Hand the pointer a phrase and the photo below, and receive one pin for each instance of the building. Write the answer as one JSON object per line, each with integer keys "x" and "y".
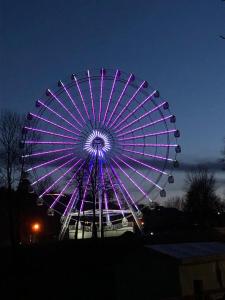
{"x": 174, "y": 271}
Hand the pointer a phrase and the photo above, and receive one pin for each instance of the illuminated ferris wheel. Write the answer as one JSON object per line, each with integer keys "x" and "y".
{"x": 108, "y": 142}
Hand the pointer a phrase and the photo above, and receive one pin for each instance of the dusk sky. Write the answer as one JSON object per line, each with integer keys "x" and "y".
{"x": 174, "y": 45}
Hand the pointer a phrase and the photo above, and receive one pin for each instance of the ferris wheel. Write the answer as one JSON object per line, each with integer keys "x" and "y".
{"x": 104, "y": 144}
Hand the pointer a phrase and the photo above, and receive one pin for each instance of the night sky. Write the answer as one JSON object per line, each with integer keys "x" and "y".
{"x": 174, "y": 45}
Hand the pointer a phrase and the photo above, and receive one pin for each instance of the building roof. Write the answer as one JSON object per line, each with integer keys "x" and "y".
{"x": 192, "y": 252}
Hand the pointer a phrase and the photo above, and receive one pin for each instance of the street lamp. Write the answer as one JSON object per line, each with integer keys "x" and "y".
{"x": 35, "y": 230}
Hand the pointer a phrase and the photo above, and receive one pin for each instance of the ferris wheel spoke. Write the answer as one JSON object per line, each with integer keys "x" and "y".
{"x": 104, "y": 193}
{"x": 61, "y": 104}
{"x": 144, "y": 83}
{"x": 110, "y": 96}
{"x": 57, "y": 180}
{"x": 85, "y": 190}
{"x": 126, "y": 200}
{"x": 48, "y": 152}
{"x": 120, "y": 97}
{"x": 114, "y": 190}
{"x": 146, "y": 125}
{"x": 50, "y": 142}
{"x": 53, "y": 171}
{"x": 72, "y": 202}
{"x": 53, "y": 123}
{"x": 141, "y": 117}
{"x": 148, "y": 145}
{"x": 91, "y": 94}
{"x": 139, "y": 173}
{"x": 51, "y": 133}
{"x": 122, "y": 186}
{"x": 149, "y": 155}
{"x": 139, "y": 106}
{"x": 131, "y": 180}
{"x": 66, "y": 186}
{"x": 39, "y": 102}
{"x": 82, "y": 98}
{"x": 49, "y": 162}
{"x": 100, "y": 98}
{"x": 74, "y": 103}
{"x": 148, "y": 134}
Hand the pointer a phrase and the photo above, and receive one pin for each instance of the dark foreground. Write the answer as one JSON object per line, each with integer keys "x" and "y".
{"x": 82, "y": 269}
{"x": 113, "y": 269}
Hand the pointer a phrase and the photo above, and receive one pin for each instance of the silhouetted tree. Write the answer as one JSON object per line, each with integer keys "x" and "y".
{"x": 175, "y": 202}
{"x": 12, "y": 162}
{"x": 201, "y": 201}
{"x": 10, "y": 136}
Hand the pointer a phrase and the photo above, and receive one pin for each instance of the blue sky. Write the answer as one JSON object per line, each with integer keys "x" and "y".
{"x": 174, "y": 45}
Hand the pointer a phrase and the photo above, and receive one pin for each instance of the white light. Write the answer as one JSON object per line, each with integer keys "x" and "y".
{"x": 92, "y": 150}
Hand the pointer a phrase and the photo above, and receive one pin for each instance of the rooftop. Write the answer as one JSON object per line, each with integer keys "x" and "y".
{"x": 192, "y": 252}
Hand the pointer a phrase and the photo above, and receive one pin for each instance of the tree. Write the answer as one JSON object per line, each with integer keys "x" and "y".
{"x": 12, "y": 134}
{"x": 11, "y": 164}
{"x": 175, "y": 202}
{"x": 201, "y": 201}
{"x": 11, "y": 125}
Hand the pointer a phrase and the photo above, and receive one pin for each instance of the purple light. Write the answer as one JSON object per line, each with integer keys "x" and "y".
{"x": 53, "y": 171}
{"x": 51, "y": 133}
{"x": 100, "y": 100}
{"x": 57, "y": 180}
{"x": 72, "y": 100}
{"x": 85, "y": 191}
{"x": 48, "y": 152}
{"x": 52, "y": 123}
{"x": 63, "y": 106}
{"x": 144, "y": 126}
{"x": 141, "y": 117}
{"x": 50, "y": 161}
{"x": 110, "y": 97}
{"x": 58, "y": 115}
{"x": 82, "y": 98}
{"x": 105, "y": 194}
{"x": 50, "y": 143}
{"x": 137, "y": 186}
{"x": 65, "y": 187}
{"x": 144, "y": 164}
{"x": 148, "y": 155}
{"x": 149, "y": 145}
{"x": 131, "y": 99}
{"x": 92, "y": 99}
{"x": 114, "y": 190}
{"x": 71, "y": 201}
{"x": 148, "y": 134}
{"x": 121, "y": 183}
{"x": 119, "y": 99}
{"x": 132, "y": 112}
{"x": 139, "y": 173}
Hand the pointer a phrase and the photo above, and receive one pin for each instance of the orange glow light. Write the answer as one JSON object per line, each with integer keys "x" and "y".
{"x": 36, "y": 227}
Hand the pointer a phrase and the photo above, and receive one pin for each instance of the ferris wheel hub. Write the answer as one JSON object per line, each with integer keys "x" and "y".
{"x": 97, "y": 143}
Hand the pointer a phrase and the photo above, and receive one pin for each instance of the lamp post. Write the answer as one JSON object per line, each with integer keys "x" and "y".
{"x": 35, "y": 231}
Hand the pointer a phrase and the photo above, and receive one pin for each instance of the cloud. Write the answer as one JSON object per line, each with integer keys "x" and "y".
{"x": 213, "y": 166}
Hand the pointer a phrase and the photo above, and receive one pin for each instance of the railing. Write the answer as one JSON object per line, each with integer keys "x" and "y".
{"x": 107, "y": 227}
